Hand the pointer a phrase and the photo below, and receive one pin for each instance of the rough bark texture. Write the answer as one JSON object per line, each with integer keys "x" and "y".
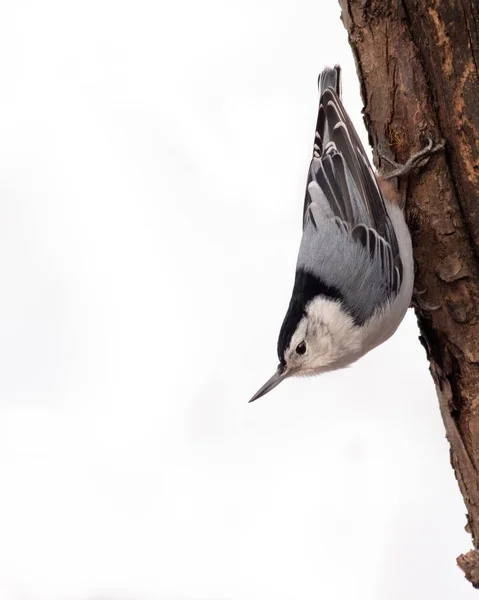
{"x": 417, "y": 62}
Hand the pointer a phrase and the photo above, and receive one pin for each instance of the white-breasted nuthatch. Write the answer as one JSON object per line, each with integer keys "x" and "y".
{"x": 355, "y": 272}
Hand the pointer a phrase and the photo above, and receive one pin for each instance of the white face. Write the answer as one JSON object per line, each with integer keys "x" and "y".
{"x": 326, "y": 338}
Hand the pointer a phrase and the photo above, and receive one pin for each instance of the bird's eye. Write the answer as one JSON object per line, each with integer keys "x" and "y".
{"x": 301, "y": 348}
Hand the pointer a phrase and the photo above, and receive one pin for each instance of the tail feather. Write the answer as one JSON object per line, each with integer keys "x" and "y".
{"x": 330, "y": 78}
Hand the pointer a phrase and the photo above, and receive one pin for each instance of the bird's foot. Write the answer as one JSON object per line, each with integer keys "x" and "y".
{"x": 415, "y": 161}
{"x": 418, "y": 302}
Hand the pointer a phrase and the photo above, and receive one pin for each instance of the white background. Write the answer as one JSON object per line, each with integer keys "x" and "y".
{"x": 153, "y": 159}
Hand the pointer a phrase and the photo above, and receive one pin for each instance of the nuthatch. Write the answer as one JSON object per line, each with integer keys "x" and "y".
{"x": 355, "y": 273}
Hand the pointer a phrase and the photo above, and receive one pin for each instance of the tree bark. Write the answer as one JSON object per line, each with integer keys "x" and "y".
{"x": 417, "y": 62}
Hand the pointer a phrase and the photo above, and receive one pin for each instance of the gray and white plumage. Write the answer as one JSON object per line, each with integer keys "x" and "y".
{"x": 354, "y": 274}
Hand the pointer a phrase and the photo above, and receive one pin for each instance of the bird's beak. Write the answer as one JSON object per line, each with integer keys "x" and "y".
{"x": 277, "y": 378}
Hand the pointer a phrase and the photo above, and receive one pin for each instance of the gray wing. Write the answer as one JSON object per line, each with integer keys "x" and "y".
{"x": 344, "y": 208}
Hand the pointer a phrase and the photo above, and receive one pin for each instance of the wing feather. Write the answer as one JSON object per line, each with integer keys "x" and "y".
{"x": 341, "y": 182}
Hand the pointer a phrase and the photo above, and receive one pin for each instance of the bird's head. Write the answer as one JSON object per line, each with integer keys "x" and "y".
{"x": 315, "y": 338}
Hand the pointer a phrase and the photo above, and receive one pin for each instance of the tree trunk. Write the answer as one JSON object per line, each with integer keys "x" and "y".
{"x": 417, "y": 62}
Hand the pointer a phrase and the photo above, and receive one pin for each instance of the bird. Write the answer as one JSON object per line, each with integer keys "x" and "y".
{"x": 354, "y": 275}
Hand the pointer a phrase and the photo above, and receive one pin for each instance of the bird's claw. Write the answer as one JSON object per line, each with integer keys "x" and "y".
{"x": 414, "y": 162}
{"x": 418, "y": 302}
{"x": 427, "y": 307}
{"x": 417, "y": 292}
